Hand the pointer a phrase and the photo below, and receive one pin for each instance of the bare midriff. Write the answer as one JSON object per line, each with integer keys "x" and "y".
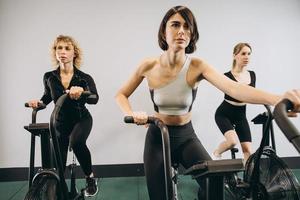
{"x": 174, "y": 120}
{"x": 236, "y": 103}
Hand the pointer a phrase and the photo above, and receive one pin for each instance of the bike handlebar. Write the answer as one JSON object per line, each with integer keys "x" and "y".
{"x": 86, "y": 94}
{"x": 40, "y": 106}
{"x": 285, "y": 124}
{"x": 150, "y": 120}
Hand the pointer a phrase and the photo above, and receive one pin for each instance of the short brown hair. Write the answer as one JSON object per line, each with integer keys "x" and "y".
{"x": 190, "y": 20}
{"x": 77, "y": 50}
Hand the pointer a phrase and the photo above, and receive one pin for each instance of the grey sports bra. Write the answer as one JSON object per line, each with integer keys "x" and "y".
{"x": 177, "y": 97}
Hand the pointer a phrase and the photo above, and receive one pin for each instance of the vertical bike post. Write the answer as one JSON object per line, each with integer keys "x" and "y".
{"x": 31, "y": 163}
{"x": 56, "y": 148}
{"x": 285, "y": 124}
{"x": 58, "y": 158}
{"x": 32, "y": 142}
{"x": 170, "y": 191}
{"x": 167, "y": 156}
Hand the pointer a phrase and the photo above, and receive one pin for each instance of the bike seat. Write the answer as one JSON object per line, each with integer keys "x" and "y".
{"x": 234, "y": 150}
{"x": 37, "y": 128}
{"x": 215, "y": 168}
{"x": 175, "y": 165}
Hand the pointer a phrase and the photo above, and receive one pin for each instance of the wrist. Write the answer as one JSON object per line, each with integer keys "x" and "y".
{"x": 276, "y": 99}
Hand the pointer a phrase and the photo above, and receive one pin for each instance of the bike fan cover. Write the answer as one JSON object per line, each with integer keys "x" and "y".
{"x": 275, "y": 180}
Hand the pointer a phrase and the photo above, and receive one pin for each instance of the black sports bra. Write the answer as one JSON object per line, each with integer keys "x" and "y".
{"x": 230, "y": 75}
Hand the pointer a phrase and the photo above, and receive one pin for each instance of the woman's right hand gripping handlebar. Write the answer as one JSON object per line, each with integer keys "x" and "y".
{"x": 34, "y": 103}
{"x": 294, "y": 97}
{"x": 139, "y": 117}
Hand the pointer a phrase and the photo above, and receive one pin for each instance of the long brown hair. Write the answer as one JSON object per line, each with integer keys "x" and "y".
{"x": 237, "y": 48}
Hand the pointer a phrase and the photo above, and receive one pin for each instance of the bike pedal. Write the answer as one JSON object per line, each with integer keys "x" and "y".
{"x": 243, "y": 185}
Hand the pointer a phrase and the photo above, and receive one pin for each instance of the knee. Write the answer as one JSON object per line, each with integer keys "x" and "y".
{"x": 76, "y": 145}
{"x": 232, "y": 143}
{"x": 246, "y": 150}
{"x": 231, "y": 139}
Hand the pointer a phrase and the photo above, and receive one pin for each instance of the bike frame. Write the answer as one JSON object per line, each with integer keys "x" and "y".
{"x": 169, "y": 188}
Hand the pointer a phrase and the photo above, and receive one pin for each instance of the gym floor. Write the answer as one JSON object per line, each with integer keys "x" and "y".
{"x": 124, "y": 188}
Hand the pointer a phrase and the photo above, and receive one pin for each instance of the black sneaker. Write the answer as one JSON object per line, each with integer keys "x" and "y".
{"x": 91, "y": 188}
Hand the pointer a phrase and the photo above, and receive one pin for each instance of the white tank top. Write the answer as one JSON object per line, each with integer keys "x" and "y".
{"x": 177, "y": 97}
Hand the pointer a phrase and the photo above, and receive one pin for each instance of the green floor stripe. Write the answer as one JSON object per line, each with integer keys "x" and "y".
{"x": 122, "y": 188}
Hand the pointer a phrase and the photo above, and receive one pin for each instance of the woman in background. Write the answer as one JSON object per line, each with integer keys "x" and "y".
{"x": 231, "y": 114}
{"x": 74, "y": 122}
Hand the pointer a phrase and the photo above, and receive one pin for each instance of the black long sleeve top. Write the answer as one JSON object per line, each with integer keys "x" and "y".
{"x": 71, "y": 109}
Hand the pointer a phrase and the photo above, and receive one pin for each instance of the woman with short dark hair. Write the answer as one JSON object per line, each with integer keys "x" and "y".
{"x": 173, "y": 78}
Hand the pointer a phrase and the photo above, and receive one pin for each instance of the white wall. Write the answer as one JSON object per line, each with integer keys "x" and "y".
{"x": 115, "y": 37}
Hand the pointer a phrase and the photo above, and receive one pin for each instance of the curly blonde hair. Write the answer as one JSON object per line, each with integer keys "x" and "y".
{"x": 77, "y": 50}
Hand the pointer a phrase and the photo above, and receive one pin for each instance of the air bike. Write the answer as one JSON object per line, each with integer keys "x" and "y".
{"x": 49, "y": 181}
{"x": 266, "y": 176}
{"x": 224, "y": 167}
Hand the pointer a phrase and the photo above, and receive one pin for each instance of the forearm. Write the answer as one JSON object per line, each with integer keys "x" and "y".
{"x": 124, "y": 104}
{"x": 91, "y": 86}
{"x": 252, "y": 95}
{"x": 93, "y": 99}
{"x": 46, "y": 99}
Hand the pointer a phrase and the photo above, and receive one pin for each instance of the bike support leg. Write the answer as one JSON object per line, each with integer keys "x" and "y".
{"x": 31, "y": 166}
{"x": 215, "y": 189}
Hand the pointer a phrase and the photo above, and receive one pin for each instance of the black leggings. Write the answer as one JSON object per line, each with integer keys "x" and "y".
{"x": 75, "y": 134}
{"x": 231, "y": 117}
{"x": 186, "y": 149}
